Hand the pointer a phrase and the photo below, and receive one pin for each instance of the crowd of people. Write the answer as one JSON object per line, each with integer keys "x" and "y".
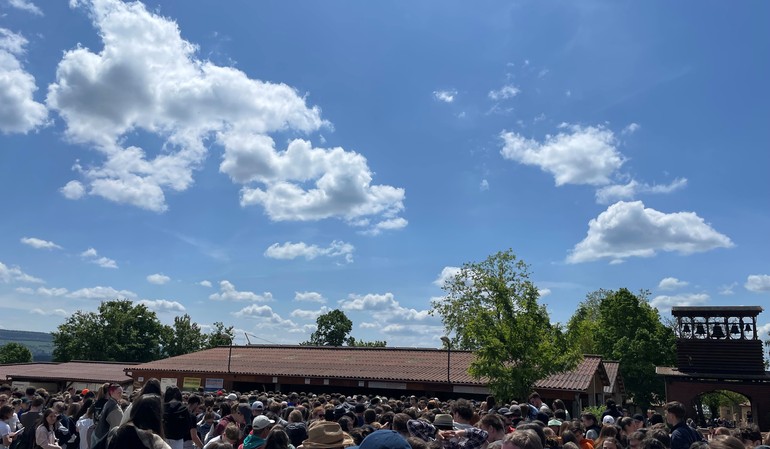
{"x": 171, "y": 419}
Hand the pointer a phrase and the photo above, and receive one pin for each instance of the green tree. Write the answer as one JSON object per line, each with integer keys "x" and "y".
{"x": 220, "y": 335}
{"x": 627, "y": 329}
{"x": 120, "y": 331}
{"x": 492, "y": 308}
{"x": 183, "y": 337}
{"x": 332, "y": 329}
{"x": 15, "y": 353}
{"x": 352, "y": 341}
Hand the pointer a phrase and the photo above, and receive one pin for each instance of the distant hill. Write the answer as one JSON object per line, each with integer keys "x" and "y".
{"x": 39, "y": 343}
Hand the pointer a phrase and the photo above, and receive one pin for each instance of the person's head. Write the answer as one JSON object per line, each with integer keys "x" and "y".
{"x": 49, "y": 418}
{"x": 36, "y": 402}
{"x": 241, "y": 413}
{"x": 295, "y": 416}
{"x": 152, "y": 386}
{"x": 725, "y": 442}
{"x": 493, "y": 425}
{"x": 610, "y": 443}
{"x": 651, "y": 443}
{"x": 232, "y": 434}
{"x": 277, "y": 439}
{"x": 577, "y": 430}
{"x": 661, "y": 435}
{"x": 751, "y": 436}
{"x": 172, "y": 394}
{"x": 115, "y": 391}
{"x": 608, "y": 432}
{"x": 6, "y": 412}
{"x": 675, "y": 412}
{"x": 462, "y": 410}
{"x": 535, "y": 400}
{"x": 261, "y": 425}
{"x": 147, "y": 413}
{"x": 326, "y": 435}
{"x": 588, "y": 419}
{"x": 443, "y": 421}
{"x": 635, "y": 439}
{"x": 522, "y": 439}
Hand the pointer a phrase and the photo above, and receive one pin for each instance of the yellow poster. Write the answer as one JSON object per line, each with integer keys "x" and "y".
{"x": 191, "y": 383}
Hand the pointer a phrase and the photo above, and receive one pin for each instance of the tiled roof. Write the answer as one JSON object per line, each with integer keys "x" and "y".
{"x": 578, "y": 379}
{"x": 616, "y": 380}
{"x": 68, "y": 371}
{"x": 387, "y": 364}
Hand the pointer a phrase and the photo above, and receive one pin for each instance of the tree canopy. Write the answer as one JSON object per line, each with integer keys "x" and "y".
{"x": 492, "y": 308}
{"x": 15, "y": 353}
{"x": 619, "y": 325}
{"x": 333, "y": 329}
{"x": 123, "y": 331}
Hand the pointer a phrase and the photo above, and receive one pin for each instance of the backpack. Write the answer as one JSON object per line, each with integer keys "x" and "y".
{"x": 26, "y": 440}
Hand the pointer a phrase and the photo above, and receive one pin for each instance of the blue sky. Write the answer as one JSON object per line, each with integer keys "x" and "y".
{"x": 259, "y": 163}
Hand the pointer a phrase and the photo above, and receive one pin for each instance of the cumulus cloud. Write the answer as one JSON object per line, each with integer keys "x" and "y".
{"x": 630, "y": 230}
{"x": 26, "y": 5}
{"x": 447, "y": 96}
{"x": 368, "y": 325}
{"x": 579, "y": 155}
{"x": 265, "y": 315}
{"x": 227, "y": 292}
{"x": 73, "y": 190}
{"x": 309, "y": 297}
{"x": 49, "y": 312}
{"x": 664, "y": 303}
{"x": 504, "y": 93}
{"x": 162, "y": 305}
{"x": 342, "y": 186}
{"x": 309, "y": 314}
{"x": 384, "y": 307}
{"x": 39, "y": 243}
{"x": 671, "y": 283}
{"x": 289, "y": 250}
{"x": 92, "y": 256}
{"x": 446, "y": 274}
{"x": 14, "y": 274}
{"x": 631, "y": 128}
{"x": 615, "y": 192}
{"x": 42, "y": 291}
{"x": 158, "y": 279}
{"x": 101, "y": 293}
{"x": 544, "y": 292}
{"x": 758, "y": 283}
{"x": 20, "y": 113}
{"x": 387, "y": 225}
{"x": 148, "y": 78}
{"x": 205, "y": 284}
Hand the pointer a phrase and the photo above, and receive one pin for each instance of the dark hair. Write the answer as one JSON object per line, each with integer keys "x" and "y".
{"x": 147, "y": 414}
{"x": 6, "y": 412}
{"x": 463, "y": 408}
{"x": 567, "y": 436}
{"x": 677, "y": 409}
{"x": 152, "y": 386}
{"x": 42, "y": 421}
{"x": 194, "y": 399}
{"x": 589, "y": 415}
{"x": 172, "y": 393}
{"x": 277, "y": 439}
{"x": 651, "y": 443}
{"x": 660, "y": 435}
{"x": 494, "y": 421}
{"x": 525, "y": 439}
{"x": 536, "y": 429}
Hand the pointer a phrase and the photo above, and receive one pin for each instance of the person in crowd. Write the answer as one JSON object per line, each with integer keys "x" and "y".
{"x": 260, "y": 428}
{"x": 495, "y": 427}
{"x": 85, "y": 425}
{"x": 33, "y": 415}
{"x": 111, "y": 413}
{"x": 442, "y": 431}
{"x": 534, "y": 403}
{"x": 682, "y": 436}
{"x": 725, "y": 442}
{"x": 608, "y": 431}
{"x": 296, "y": 429}
{"x": 45, "y": 431}
{"x": 236, "y": 416}
{"x": 462, "y": 414}
{"x": 579, "y": 435}
{"x": 152, "y": 386}
{"x": 6, "y": 434}
{"x": 277, "y": 438}
{"x": 231, "y": 436}
{"x": 522, "y": 439}
{"x": 592, "y": 428}
{"x": 144, "y": 428}
{"x": 326, "y": 435}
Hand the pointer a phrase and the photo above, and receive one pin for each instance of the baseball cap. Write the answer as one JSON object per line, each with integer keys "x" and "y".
{"x": 260, "y": 422}
{"x": 608, "y": 420}
{"x": 231, "y": 397}
{"x": 257, "y": 405}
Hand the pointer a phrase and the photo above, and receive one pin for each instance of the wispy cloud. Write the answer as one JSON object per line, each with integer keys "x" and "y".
{"x": 39, "y": 243}
{"x": 447, "y": 96}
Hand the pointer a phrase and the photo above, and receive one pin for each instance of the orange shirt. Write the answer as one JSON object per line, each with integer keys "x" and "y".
{"x": 585, "y": 443}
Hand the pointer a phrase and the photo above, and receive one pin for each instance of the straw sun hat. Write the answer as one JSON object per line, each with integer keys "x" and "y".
{"x": 326, "y": 434}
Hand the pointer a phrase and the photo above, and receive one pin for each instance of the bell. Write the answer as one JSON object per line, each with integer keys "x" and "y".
{"x": 686, "y": 328}
{"x": 718, "y": 333}
{"x": 699, "y": 329}
{"x": 734, "y": 329}
{"x": 748, "y": 327}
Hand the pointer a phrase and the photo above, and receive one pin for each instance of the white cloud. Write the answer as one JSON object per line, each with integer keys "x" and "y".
{"x": 484, "y": 186}
{"x": 631, "y": 128}
{"x": 255, "y": 310}
{"x": 20, "y": 113}
{"x": 447, "y": 96}
{"x": 147, "y": 78}
{"x": 26, "y": 5}
{"x": 227, "y": 292}
{"x": 205, "y": 284}
{"x": 309, "y": 297}
{"x": 73, "y": 190}
{"x": 368, "y": 325}
{"x": 369, "y": 301}
{"x": 544, "y": 292}
{"x": 309, "y": 314}
{"x": 289, "y": 250}
{"x": 422, "y": 330}
{"x": 267, "y": 317}
{"x": 92, "y": 256}
{"x": 101, "y": 293}
{"x": 671, "y": 283}
{"x": 52, "y": 312}
{"x": 446, "y": 274}
{"x": 158, "y": 279}
{"x": 162, "y": 305}
{"x": 543, "y": 73}
{"x": 39, "y": 243}
{"x": 387, "y": 225}
{"x": 763, "y": 330}
{"x": 51, "y": 291}
{"x": 583, "y": 155}
{"x": 664, "y": 303}
{"x": 728, "y": 290}
{"x": 504, "y": 93}
{"x": 631, "y": 230}
{"x": 342, "y": 188}
{"x": 14, "y": 274}
{"x": 615, "y": 192}
{"x": 758, "y": 283}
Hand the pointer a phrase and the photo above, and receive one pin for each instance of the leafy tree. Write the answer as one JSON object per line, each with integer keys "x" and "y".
{"x": 15, "y": 353}
{"x": 627, "y": 329}
{"x": 120, "y": 331}
{"x": 183, "y": 337}
{"x": 351, "y": 341}
{"x": 492, "y": 308}
{"x": 332, "y": 329}
{"x": 220, "y": 335}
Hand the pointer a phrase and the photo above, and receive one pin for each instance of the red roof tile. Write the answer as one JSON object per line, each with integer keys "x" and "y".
{"x": 69, "y": 371}
{"x": 578, "y": 379}
{"x": 388, "y": 364}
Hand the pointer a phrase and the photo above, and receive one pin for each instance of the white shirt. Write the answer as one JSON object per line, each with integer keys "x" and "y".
{"x": 5, "y": 429}
{"x": 82, "y": 426}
